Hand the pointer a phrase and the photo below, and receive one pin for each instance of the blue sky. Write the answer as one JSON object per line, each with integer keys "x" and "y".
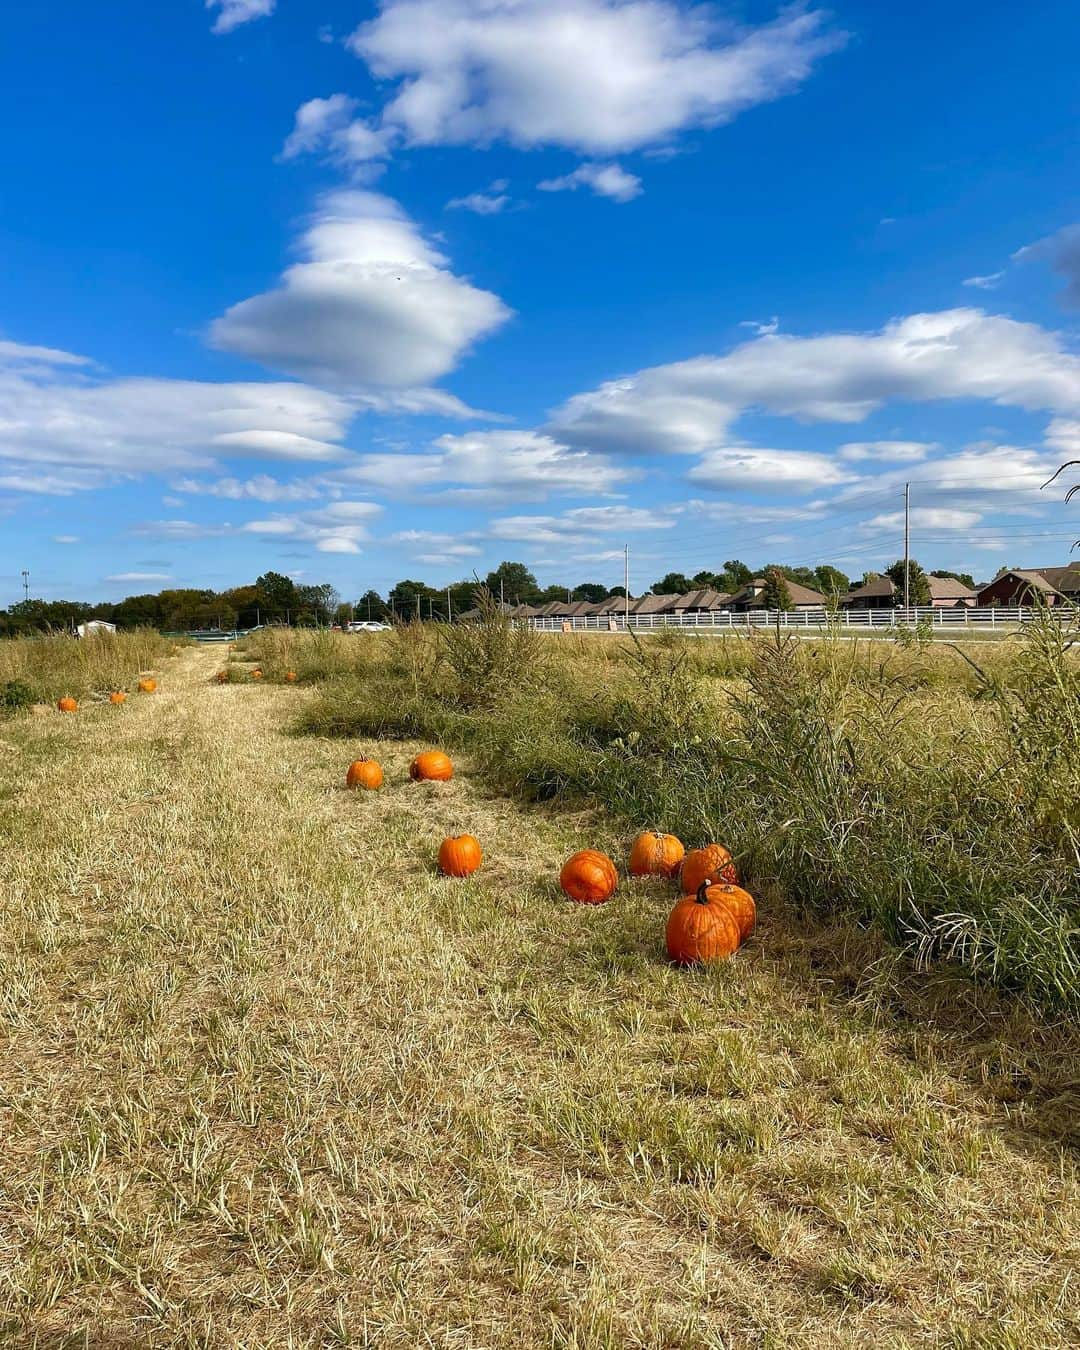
{"x": 363, "y": 291}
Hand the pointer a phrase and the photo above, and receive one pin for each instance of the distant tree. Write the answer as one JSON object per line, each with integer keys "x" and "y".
{"x": 617, "y": 590}
{"x": 591, "y": 591}
{"x": 830, "y": 580}
{"x": 965, "y": 578}
{"x": 277, "y": 596}
{"x": 711, "y": 579}
{"x": 517, "y": 583}
{"x": 776, "y": 594}
{"x": 405, "y": 595}
{"x": 868, "y": 577}
{"x": 549, "y": 593}
{"x": 371, "y": 606}
{"x": 918, "y": 586}
{"x": 672, "y": 584}
{"x": 735, "y": 575}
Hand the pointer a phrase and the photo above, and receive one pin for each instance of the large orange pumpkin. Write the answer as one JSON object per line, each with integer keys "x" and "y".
{"x": 290, "y": 677}
{"x": 365, "y": 773}
{"x": 68, "y": 704}
{"x": 460, "y": 856}
{"x": 256, "y": 674}
{"x": 701, "y": 929}
{"x": 711, "y": 863}
{"x": 147, "y": 686}
{"x": 118, "y": 696}
{"x": 740, "y": 903}
{"x": 589, "y": 877}
{"x": 656, "y": 855}
{"x": 433, "y": 765}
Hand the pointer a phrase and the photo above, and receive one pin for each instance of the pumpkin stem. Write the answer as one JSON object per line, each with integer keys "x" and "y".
{"x": 702, "y": 897}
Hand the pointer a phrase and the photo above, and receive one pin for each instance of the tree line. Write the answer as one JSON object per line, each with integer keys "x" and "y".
{"x": 274, "y": 598}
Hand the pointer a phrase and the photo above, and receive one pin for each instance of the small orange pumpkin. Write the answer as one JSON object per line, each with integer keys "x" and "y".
{"x": 711, "y": 863}
{"x": 433, "y": 765}
{"x": 118, "y": 696}
{"x": 147, "y": 686}
{"x": 701, "y": 929}
{"x": 365, "y": 773}
{"x": 740, "y": 903}
{"x": 589, "y": 877}
{"x": 290, "y": 677}
{"x": 68, "y": 704}
{"x": 222, "y": 677}
{"x": 656, "y": 855}
{"x": 256, "y": 674}
{"x": 460, "y": 856}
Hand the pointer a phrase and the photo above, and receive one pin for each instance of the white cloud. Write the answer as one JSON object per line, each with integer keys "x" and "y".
{"x": 320, "y": 124}
{"x": 605, "y": 180}
{"x": 438, "y": 550}
{"x": 490, "y": 464}
{"x": 65, "y": 538}
{"x": 140, "y": 576}
{"x": 373, "y": 305}
{"x": 888, "y": 452}
{"x": 987, "y": 283}
{"x": 578, "y": 527}
{"x": 979, "y": 475}
{"x": 1063, "y": 436}
{"x": 261, "y": 488}
{"x": 751, "y": 468}
{"x": 62, "y": 431}
{"x": 14, "y": 353}
{"x": 237, "y": 12}
{"x": 480, "y": 203}
{"x": 339, "y": 527}
{"x": 922, "y": 518}
{"x": 1062, "y": 252}
{"x": 688, "y": 406}
{"x": 600, "y": 76}
{"x": 762, "y": 328}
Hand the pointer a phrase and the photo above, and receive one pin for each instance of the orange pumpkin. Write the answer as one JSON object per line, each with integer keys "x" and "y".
{"x": 256, "y": 674}
{"x": 460, "y": 856}
{"x": 711, "y": 863}
{"x": 290, "y": 677}
{"x": 68, "y": 704}
{"x": 656, "y": 855}
{"x": 222, "y": 677}
{"x": 740, "y": 903}
{"x": 589, "y": 877}
{"x": 433, "y": 765}
{"x": 365, "y": 773}
{"x": 118, "y": 696}
{"x": 147, "y": 686}
{"x": 701, "y": 929}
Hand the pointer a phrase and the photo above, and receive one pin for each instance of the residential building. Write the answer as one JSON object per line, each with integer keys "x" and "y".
{"x": 750, "y": 596}
{"x": 1029, "y": 586}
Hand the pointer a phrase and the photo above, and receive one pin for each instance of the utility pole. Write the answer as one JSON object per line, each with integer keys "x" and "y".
{"x": 907, "y": 545}
{"x": 449, "y": 607}
{"x": 419, "y": 612}
{"x": 626, "y": 585}
{"x": 369, "y": 607}
{"x": 26, "y": 584}
{"x": 502, "y": 599}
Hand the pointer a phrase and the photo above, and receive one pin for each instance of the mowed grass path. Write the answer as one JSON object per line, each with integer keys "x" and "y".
{"x": 267, "y": 1080}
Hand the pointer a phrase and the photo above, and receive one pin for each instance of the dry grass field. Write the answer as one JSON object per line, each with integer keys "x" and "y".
{"x": 267, "y": 1080}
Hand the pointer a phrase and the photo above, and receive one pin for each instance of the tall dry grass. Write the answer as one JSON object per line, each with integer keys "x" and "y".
{"x": 48, "y": 668}
{"x": 932, "y": 790}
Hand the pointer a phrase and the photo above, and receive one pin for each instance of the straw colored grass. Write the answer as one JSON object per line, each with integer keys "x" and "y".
{"x": 267, "y": 1080}
{"x": 51, "y": 667}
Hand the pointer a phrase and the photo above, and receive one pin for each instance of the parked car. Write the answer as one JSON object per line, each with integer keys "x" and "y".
{"x": 367, "y": 626}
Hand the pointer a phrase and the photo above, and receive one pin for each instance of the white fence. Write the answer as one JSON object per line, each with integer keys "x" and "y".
{"x": 722, "y": 620}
